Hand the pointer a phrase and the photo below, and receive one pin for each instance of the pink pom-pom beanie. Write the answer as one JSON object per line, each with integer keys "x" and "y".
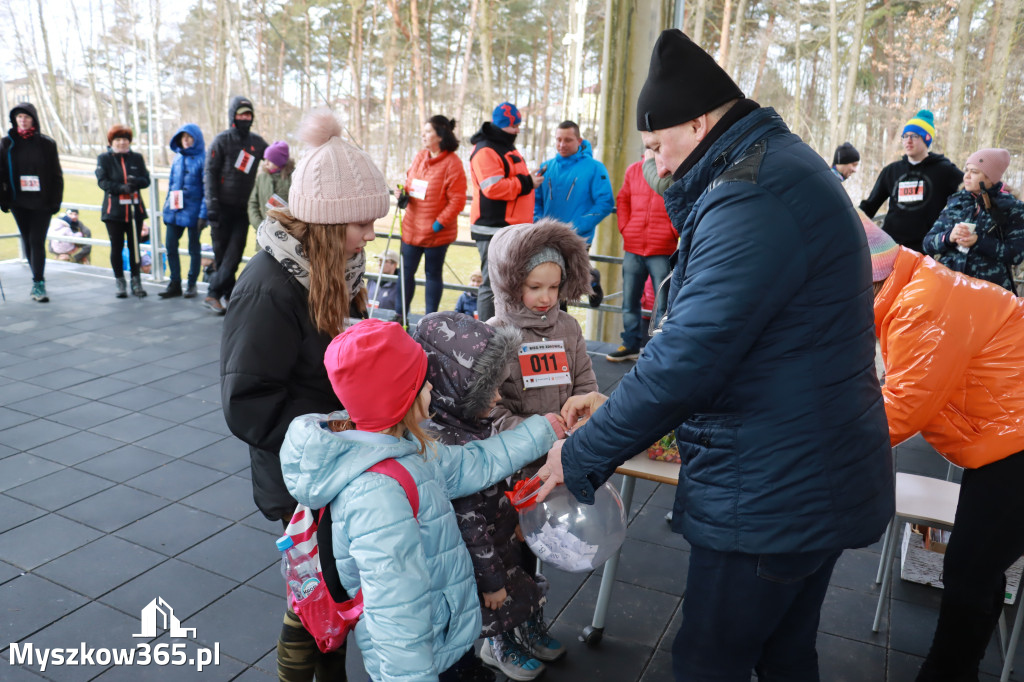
{"x": 334, "y": 182}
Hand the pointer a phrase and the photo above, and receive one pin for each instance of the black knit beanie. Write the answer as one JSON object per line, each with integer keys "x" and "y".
{"x": 845, "y": 153}
{"x": 684, "y": 82}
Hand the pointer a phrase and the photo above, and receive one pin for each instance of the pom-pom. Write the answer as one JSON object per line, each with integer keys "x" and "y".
{"x": 319, "y": 126}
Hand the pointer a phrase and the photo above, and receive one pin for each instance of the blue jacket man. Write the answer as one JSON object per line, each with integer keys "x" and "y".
{"x": 764, "y": 369}
{"x": 576, "y": 188}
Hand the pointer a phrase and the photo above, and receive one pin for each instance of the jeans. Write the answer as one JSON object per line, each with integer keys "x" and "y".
{"x": 484, "y": 296}
{"x": 988, "y": 536}
{"x": 745, "y": 612}
{"x": 228, "y": 242}
{"x": 433, "y": 270}
{"x": 635, "y": 269}
{"x": 120, "y": 232}
{"x": 174, "y": 233}
{"x": 33, "y": 225}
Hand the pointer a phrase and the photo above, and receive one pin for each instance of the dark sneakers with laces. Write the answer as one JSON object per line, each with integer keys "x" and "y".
{"x": 623, "y": 354}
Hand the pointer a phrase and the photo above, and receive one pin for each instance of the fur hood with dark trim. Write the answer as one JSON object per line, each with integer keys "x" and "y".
{"x": 512, "y": 247}
{"x": 466, "y": 363}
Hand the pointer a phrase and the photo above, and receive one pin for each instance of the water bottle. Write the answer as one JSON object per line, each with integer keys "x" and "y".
{"x": 298, "y": 569}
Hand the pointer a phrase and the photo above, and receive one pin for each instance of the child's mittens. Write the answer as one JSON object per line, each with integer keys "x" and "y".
{"x": 437, "y": 226}
{"x": 557, "y": 424}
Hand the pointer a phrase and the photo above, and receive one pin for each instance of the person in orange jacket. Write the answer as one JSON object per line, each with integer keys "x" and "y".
{"x": 435, "y": 193}
{"x": 502, "y": 188}
{"x": 953, "y": 348}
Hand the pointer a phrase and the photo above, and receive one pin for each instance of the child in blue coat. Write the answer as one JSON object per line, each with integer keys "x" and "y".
{"x": 185, "y": 207}
{"x": 422, "y": 611}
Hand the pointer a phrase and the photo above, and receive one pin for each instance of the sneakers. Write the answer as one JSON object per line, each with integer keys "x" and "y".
{"x": 507, "y": 655}
{"x": 214, "y": 304}
{"x": 39, "y": 292}
{"x": 191, "y": 291}
{"x": 122, "y": 287}
{"x": 623, "y": 354}
{"x": 173, "y": 289}
{"x": 542, "y": 645}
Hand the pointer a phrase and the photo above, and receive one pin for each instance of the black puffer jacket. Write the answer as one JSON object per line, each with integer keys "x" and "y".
{"x": 225, "y": 183}
{"x": 272, "y": 370}
{"x": 121, "y": 176}
{"x": 33, "y": 157}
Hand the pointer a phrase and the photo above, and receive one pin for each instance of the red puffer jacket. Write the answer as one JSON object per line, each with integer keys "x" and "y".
{"x": 437, "y": 191}
{"x": 644, "y": 224}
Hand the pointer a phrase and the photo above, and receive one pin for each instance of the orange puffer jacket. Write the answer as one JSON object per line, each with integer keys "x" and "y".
{"x": 437, "y": 191}
{"x": 954, "y": 361}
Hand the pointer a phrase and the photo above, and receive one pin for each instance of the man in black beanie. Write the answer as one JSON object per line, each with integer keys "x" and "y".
{"x": 845, "y": 161}
{"x": 764, "y": 368}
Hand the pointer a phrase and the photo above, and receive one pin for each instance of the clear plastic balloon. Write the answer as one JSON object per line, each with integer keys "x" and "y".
{"x": 568, "y": 534}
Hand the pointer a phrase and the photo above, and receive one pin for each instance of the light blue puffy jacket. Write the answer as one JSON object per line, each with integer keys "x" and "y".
{"x": 422, "y": 611}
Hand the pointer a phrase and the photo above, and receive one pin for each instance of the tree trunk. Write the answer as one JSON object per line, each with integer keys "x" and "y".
{"x": 766, "y": 41}
{"x": 737, "y": 34}
{"x": 460, "y": 108}
{"x": 853, "y": 68}
{"x": 417, "y": 64}
{"x": 723, "y": 39}
{"x": 833, "y": 86}
{"x": 699, "y": 17}
{"x": 485, "y": 52}
{"x": 51, "y": 75}
{"x": 390, "y": 57}
{"x": 996, "y": 80}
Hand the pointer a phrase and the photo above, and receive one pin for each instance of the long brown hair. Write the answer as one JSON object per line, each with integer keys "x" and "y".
{"x": 329, "y": 297}
{"x": 408, "y": 423}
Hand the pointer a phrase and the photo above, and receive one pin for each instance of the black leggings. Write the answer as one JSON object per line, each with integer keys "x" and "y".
{"x": 118, "y": 231}
{"x": 987, "y": 537}
{"x": 33, "y": 224}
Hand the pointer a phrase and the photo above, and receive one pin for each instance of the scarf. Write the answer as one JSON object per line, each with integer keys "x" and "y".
{"x": 25, "y": 134}
{"x": 288, "y": 251}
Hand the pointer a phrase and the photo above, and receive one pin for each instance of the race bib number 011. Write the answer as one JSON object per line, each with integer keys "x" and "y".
{"x": 245, "y": 161}
{"x": 544, "y": 363}
{"x": 418, "y": 189}
{"x": 30, "y": 183}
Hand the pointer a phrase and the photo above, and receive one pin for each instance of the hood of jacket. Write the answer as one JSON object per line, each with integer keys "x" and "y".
{"x": 24, "y": 108}
{"x": 513, "y": 247}
{"x": 198, "y": 147}
{"x": 236, "y": 102}
{"x": 467, "y": 361}
{"x": 492, "y": 133}
{"x": 318, "y": 463}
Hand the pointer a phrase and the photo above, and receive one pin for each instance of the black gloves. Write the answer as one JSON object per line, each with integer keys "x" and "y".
{"x": 403, "y": 200}
{"x": 595, "y": 298}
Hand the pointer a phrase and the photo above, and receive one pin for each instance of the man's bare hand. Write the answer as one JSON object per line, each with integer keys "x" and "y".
{"x": 579, "y": 407}
{"x": 551, "y": 472}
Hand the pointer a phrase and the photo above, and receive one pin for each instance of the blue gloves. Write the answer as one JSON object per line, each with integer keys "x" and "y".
{"x": 437, "y": 226}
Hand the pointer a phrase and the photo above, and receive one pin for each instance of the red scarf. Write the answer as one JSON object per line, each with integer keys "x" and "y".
{"x": 25, "y": 134}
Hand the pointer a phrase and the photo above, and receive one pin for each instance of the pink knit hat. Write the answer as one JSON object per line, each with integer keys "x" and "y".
{"x": 883, "y": 249}
{"x": 992, "y": 162}
{"x": 376, "y": 370}
{"x": 334, "y": 182}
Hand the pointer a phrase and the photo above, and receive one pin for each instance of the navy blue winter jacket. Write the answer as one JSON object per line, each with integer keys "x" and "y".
{"x": 187, "y": 176}
{"x": 765, "y": 365}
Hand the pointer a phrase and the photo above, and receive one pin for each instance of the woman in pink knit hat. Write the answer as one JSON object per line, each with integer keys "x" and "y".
{"x": 294, "y": 296}
{"x": 981, "y": 231}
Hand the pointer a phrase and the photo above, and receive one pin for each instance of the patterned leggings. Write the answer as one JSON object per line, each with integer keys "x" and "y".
{"x": 299, "y": 659}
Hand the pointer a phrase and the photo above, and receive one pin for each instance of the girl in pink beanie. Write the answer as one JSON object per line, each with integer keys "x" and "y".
{"x": 403, "y": 553}
{"x": 301, "y": 289}
{"x": 981, "y": 231}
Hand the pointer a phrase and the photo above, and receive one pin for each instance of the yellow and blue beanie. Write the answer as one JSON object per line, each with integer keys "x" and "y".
{"x": 923, "y": 124}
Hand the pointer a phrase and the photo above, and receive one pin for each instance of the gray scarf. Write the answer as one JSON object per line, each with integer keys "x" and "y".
{"x": 288, "y": 251}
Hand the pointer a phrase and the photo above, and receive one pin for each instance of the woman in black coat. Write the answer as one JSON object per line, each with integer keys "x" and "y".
{"x": 31, "y": 187}
{"x": 121, "y": 173}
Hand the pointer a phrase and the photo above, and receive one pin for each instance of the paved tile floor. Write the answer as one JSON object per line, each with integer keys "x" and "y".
{"x": 119, "y": 482}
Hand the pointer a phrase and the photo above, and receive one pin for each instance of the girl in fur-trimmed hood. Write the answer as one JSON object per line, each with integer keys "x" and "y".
{"x": 467, "y": 361}
{"x": 532, "y": 268}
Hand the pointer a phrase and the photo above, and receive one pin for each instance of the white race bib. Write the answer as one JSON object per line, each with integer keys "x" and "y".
{"x": 910, "y": 191}
{"x": 245, "y": 161}
{"x": 30, "y": 183}
{"x": 126, "y": 199}
{"x": 418, "y": 189}
{"x": 544, "y": 363}
{"x": 176, "y": 199}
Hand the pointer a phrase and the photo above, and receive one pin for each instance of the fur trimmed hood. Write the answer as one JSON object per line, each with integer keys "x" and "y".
{"x": 466, "y": 363}
{"x": 512, "y": 247}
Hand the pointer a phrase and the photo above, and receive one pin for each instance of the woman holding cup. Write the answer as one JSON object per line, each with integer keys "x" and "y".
{"x": 981, "y": 231}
